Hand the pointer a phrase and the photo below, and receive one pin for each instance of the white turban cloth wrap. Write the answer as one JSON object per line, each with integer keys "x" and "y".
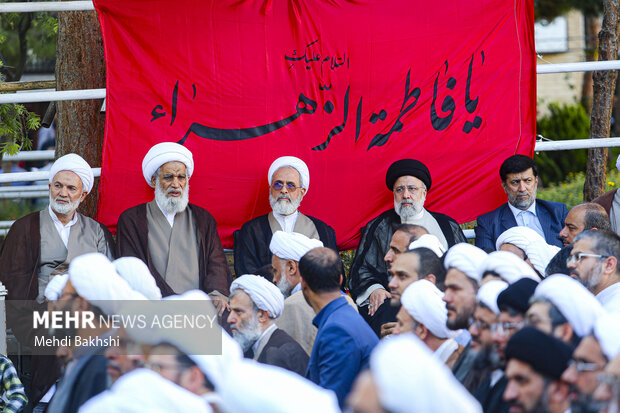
{"x": 163, "y": 153}
{"x": 295, "y": 163}
{"x": 508, "y": 266}
{"x": 575, "y": 302}
{"x": 251, "y": 387}
{"x": 55, "y": 286}
{"x": 607, "y": 332}
{"x": 264, "y": 294}
{"x": 466, "y": 258}
{"x": 410, "y": 380}
{"x": 429, "y": 241}
{"x": 137, "y": 274}
{"x": 143, "y": 390}
{"x": 94, "y": 278}
{"x": 291, "y": 245}
{"x": 540, "y": 253}
{"x": 76, "y": 164}
{"x": 518, "y": 236}
{"x": 488, "y": 293}
{"x": 424, "y": 303}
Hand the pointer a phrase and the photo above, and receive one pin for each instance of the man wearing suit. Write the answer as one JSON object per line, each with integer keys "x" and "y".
{"x": 254, "y": 305}
{"x": 344, "y": 340}
{"x": 519, "y": 176}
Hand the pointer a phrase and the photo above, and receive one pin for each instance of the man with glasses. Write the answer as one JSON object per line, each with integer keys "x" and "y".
{"x": 409, "y": 180}
{"x": 594, "y": 262}
{"x": 289, "y": 181}
{"x": 519, "y": 178}
{"x": 177, "y": 240}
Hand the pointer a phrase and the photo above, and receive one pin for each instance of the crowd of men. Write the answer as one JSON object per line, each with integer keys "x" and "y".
{"x": 527, "y": 320}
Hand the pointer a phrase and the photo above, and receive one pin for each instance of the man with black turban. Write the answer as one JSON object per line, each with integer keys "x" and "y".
{"x": 409, "y": 180}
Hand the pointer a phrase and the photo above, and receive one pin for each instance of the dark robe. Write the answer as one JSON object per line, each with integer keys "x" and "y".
{"x": 491, "y": 398}
{"x": 19, "y": 272}
{"x": 368, "y": 266}
{"x": 132, "y": 241}
{"x": 283, "y": 351}
{"x": 252, "y": 243}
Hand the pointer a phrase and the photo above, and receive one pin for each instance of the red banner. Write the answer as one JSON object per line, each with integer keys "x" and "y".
{"x": 349, "y": 87}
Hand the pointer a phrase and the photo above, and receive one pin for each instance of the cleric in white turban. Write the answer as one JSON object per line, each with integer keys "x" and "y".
{"x": 254, "y": 305}
{"x": 424, "y": 314}
{"x": 507, "y": 266}
{"x": 404, "y": 377}
{"x": 569, "y": 298}
{"x": 74, "y": 163}
{"x": 607, "y": 332}
{"x": 488, "y": 293}
{"x": 177, "y": 240}
{"x": 288, "y": 180}
{"x": 465, "y": 258}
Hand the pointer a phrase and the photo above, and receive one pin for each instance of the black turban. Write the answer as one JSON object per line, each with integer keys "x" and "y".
{"x": 517, "y": 295}
{"x": 407, "y": 167}
{"x": 544, "y": 353}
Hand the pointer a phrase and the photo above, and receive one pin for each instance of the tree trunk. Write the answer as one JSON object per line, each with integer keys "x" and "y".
{"x": 592, "y": 28}
{"x": 602, "y": 104}
{"x": 80, "y": 64}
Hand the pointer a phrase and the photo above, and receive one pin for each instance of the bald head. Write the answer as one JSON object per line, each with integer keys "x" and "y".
{"x": 583, "y": 217}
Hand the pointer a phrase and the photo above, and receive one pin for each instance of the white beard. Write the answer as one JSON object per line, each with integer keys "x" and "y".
{"x": 63, "y": 209}
{"x": 250, "y": 333}
{"x": 408, "y": 212}
{"x": 285, "y": 286}
{"x": 171, "y": 205}
{"x": 281, "y": 206}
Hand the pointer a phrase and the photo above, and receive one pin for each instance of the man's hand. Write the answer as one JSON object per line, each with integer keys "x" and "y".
{"x": 376, "y": 299}
{"x": 387, "y": 329}
{"x": 220, "y": 304}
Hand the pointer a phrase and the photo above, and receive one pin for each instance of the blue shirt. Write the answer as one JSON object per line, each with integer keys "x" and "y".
{"x": 341, "y": 349}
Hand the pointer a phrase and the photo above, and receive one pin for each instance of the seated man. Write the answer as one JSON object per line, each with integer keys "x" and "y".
{"x": 584, "y": 216}
{"x": 424, "y": 314}
{"x": 409, "y": 180}
{"x": 177, "y": 240}
{"x": 344, "y": 340}
{"x": 289, "y": 180}
{"x": 519, "y": 176}
{"x": 255, "y": 304}
{"x": 41, "y": 241}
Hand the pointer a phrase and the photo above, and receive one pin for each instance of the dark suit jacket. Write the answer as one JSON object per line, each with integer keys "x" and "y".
{"x": 341, "y": 349}
{"x": 606, "y": 200}
{"x": 490, "y": 225}
{"x": 283, "y": 351}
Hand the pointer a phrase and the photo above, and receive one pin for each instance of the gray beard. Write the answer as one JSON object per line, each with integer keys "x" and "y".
{"x": 407, "y": 212}
{"x": 523, "y": 205}
{"x": 282, "y": 207}
{"x": 285, "y": 286}
{"x": 63, "y": 209}
{"x": 249, "y": 333}
{"x": 172, "y": 205}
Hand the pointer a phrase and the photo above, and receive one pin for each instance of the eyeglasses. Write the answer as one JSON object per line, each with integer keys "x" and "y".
{"x": 481, "y": 325}
{"x": 583, "y": 366}
{"x": 576, "y": 258}
{"x": 401, "y": 189}
{"x": 158, "y": 367}
{"x": 504, "y": 327}
{"x": 278, "y": 185}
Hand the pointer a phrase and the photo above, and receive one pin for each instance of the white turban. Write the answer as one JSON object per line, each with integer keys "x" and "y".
{"x": 291, "y": 245}
{"x": 76, "y": 164}
{"x": 94, "y": 278}
{"x": 618, "y": 163}
{"x": 574, "y": 301}
{"x": 264, "y": 294}
{"x": 607, "y": 332}
{"x": 143, "y": 390}
{"x": 431, "y": 242}
{"x": 466, "y": 258}
{"x": 410, "y": 380}
{"x": 518, "y": 236}
{"x": 508, "y": 266}
{"x": 295, "y": 163}
{"x": 166, "y": 152}
{"x": 55, "y": 286}
{"x": 488, "y": 292}
{"x": 137, "y": 274}
{"x": 540, "y": 253}
{"x": 252, "y": 387}
{"x": 215, "y": 366}
{"x": 424, "y": 303}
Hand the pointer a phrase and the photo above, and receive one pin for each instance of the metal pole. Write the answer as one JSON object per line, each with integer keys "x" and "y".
{"x": 24, "y": 7}
{"x": 28, "y": 97}
{"x": 578, "y": 67}
{"x": 543, "y": 146}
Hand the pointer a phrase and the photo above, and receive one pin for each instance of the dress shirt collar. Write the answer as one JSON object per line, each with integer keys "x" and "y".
{"x": 57, "y": 221}
{"x": 517, "y": 211}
